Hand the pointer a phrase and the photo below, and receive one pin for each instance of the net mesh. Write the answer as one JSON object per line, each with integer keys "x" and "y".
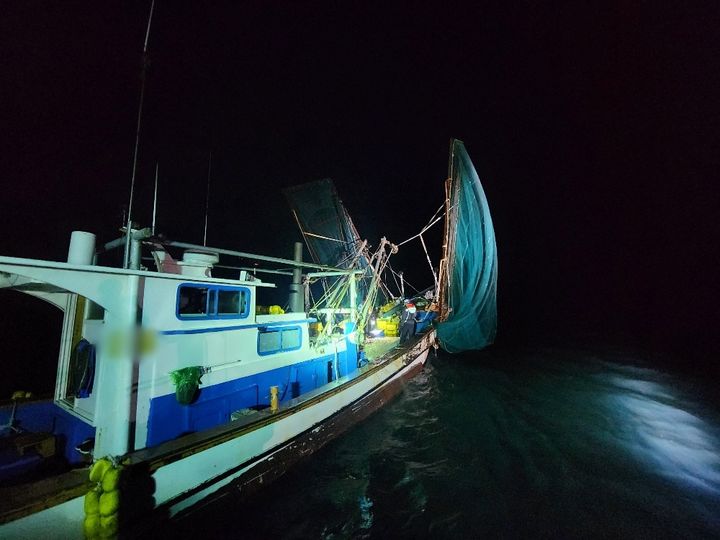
{"x": 329, "y": 232}
{"x": 330, "y": 235}
{"x": 472, "y": 268}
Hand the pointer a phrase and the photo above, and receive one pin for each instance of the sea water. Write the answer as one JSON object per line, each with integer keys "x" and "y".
{"x": 537, "y": 442}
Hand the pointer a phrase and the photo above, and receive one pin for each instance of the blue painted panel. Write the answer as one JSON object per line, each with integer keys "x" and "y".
{"x": 349, "y": 361}
{"x": 214, "y": 404}
{"x": 47, "y": 417}
{"x": 423, "y": 320}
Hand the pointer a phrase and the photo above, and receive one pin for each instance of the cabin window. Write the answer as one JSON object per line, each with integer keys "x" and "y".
{"x": 290, "y": 339}
{"x": 193, "y": 301}
{"x": 212, "y": 302}
{"x": 231, "y": 302}
{"x": 269, "y": 341}
{"x": 276, "y": 340}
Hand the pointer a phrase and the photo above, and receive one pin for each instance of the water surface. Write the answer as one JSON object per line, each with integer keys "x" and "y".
{"x": 542, "y": 443}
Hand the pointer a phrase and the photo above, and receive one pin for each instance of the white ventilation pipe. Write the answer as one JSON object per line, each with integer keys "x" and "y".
{"x": 82, "y": 248}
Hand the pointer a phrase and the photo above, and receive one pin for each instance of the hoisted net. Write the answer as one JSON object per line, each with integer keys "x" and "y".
{"x": 469, "y": 270}
{"x": 333, "y": 240}
{"x": 328, "y": 230}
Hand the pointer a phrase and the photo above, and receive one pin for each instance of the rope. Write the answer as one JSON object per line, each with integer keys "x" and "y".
{"x": 406, "y": 281}
{"x": 426, "y": 228}
{"x": 399, "y": 288}
{"x": 326, "y": 238}
{"x": 427, "y": 256}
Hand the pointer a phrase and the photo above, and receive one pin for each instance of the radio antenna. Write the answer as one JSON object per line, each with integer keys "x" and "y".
{"x": 145, "y": 62}
{"x": 207, "y": 199}
{"x": 157, "y": 166}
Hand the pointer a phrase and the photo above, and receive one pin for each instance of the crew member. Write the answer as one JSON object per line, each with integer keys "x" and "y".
{"x": 407, "y": 322}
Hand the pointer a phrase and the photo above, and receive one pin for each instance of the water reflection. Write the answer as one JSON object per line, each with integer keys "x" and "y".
{"x": 663, "y": 436}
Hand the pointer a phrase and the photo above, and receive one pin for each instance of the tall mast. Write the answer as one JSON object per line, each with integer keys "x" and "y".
{"x": 128, "y": 232}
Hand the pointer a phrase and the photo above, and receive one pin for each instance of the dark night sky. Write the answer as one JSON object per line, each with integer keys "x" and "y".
{"x": 593, "y": 128}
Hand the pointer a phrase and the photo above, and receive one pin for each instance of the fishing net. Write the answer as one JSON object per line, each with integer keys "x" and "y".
{"x": 471, "y": 258}
{"x": 329, "y": 232}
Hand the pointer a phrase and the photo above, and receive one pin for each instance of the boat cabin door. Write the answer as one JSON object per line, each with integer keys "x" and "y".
{"x": 77, "y": 366}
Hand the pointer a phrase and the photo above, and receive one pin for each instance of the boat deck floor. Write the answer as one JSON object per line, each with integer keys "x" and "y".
{"x": 376, "y": 347}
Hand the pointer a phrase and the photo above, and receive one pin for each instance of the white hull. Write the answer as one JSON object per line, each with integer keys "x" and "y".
{"x": 174, "y": 479}
{"x": 186, "y": 482}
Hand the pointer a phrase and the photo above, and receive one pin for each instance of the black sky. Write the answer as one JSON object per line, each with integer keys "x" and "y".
{"x": 593, "y": 128}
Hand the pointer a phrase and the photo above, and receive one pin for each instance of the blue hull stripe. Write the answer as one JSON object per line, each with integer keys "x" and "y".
{"x": 215, "y": 404}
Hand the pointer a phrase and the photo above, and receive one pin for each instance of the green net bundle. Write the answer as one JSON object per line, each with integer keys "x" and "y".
{"x": 471, "y": 285}
{"x": 186, "y": 381}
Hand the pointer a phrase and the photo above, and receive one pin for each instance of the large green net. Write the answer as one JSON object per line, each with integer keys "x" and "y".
{"x": 471, "y": 258}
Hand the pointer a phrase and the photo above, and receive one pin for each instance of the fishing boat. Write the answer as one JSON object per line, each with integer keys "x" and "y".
{"x": 176, "y": 386}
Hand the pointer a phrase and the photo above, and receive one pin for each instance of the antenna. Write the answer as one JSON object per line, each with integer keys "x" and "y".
{"x": 128, "y": 232}
{"x": 157, "y": 166}
{"x": 207, "y": 199}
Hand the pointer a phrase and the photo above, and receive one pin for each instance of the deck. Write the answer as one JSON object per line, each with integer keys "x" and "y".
{"x": 376, "y": 347}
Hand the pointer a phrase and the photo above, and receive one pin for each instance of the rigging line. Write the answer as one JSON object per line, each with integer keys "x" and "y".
{"x": 352, "y": 259}
{"x": 384, "y": 288}
{"x": 348, "y": 257}
{"x": 340, "y": 286}
{"x": 328, "y": 294}
{"x": 435, "y": 278}
{"x": 393, "y": 274}
{"x": 128, "y": 233}
{"x": 433, "y": 220}
{"x": 311, "y": 295}
{"x": 395, "y": 280}
{"x": 379, "y": 283}
{"x": 422, "y": 231}
{"x": 406, "y": 281}
{"x": 157, "y": 167}
{"x": 412, "y": 286}
{"x": 360, "y": 247}
{"x": 312, "y": 253}
{"x": 437, "y": 212}
{"x": 302, "y": 231}
{"x": 327, "y": 238}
